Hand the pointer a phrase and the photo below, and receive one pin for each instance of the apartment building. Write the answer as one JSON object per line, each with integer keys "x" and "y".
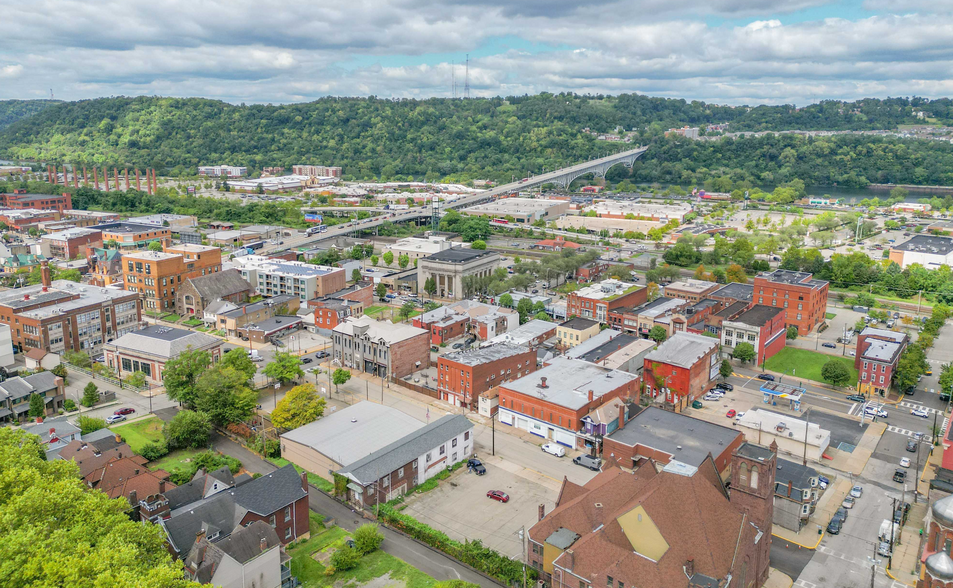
{"x": 463, "y": 376}
{"x": 321, "y": 171}
{"x": 380, "y": 347}
{"x": 217, "y": 171}
{"x": 761, "y": 326}
{"x": 664, "y": 312}
{"x": 330, "y": 310}
{"x": 803, "y": 298}
{"x": 234, "y": 319}
{"x": 156, "y": 275}
{"x": 483, "y": 321}
{"x": 681, "y": 369}
{"x": 595, "y": 301}
{"x": 21, "y": 200}
{"x": 271, "y": 277}
{"x": 575, "y": 331}
{"x": 63, "y": 315}
{"x": 70, "y": 243}
{"x": 878, "y": 353}
{"x": 131, "y": 235}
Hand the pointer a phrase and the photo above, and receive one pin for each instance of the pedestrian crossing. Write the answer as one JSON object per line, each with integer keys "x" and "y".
{"x": 909, "y": 433}
{"x": 913, "y": 405}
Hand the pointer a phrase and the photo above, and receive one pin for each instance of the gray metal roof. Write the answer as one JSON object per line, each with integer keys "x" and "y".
{"x": 877, "y": 350}
{"x": 683, "y": 349}
{"x": 736, "y": 291}
{"x": 166, "y": 342}
{"x": 406, "y": 449}
{"x": 220, "y": 284}
{"x": 61, "y": 426}
{"x": 568, "y": 382}
{"x": 352, "y": 433}
{"x": 686, "y": 439}
{"x": 459, "y": 255}
{"x": 758, "y": 315}
{"x": 562, "y": 538}
{"x": 481, "y": 355}
{"x": 255, "y": 306}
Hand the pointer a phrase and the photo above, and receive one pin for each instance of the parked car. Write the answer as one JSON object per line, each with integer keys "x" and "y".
{"x": 476, "y": 466}
{"x": 554, "y": 449}
{"x": 731, "y": 413}
{"x": 587, "y": 461}
{"x": 857, "y": 398}
{"x": 823, "y": 481}
{"x": 841, "y": 514}
{"x": 899, "y": 476}
{"x": 498, "y": 495}
{"x": 829, "y": 345}
{"x": 739, "y": 415}
{"x": 857, "y": 491}
{"x": 884, "y": 549}
{"x": 909, "y": 391}
{"x": 945, "y": 397}
{"x": 115, "y": 418}
{"x": 834, "y": 527}
{"x": 920, "y": 412}
{"x": 125, "y": 410}
{"x": 725, "y": 386}
{"x": 912, "y": 445}
{"x": 848, "y": 502}
{"x": 904, "y": 462}
{"x": 457, "y": 346}
{"x": 766, "y": 377}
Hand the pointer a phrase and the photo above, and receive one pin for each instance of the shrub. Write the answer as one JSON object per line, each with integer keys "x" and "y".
{"x": 69, "y": 405}
{"x": 154, "y": 450}
{"x": 187, "y": 429}
{"x": 367, "y": 538}
{"x": 272, "y": 446}
{"x": 345, "y": 558}
{"x": 88, "y": 424}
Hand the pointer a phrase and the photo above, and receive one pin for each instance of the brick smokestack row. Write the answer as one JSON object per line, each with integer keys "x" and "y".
{"x": 95, "y": 178}
{"x": 50, "y": 175}
{"x": 138, "y": 186}
{"x": 116, "y": 177}
{"x": 125, "y": 173}
{"x": 106, "y": 177}
{"x": 75, "y": 178}
{"x": 155, "y": 182}
{"x": 85, "y": 179}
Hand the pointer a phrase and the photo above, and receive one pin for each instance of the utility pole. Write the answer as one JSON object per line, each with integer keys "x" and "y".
{"x": 493, "y": 436}
{"x": 893, "y": 502}
{"x": 807, "y": 425}
{"x": 523, "y": 554}
{"x": 466, "y": 86}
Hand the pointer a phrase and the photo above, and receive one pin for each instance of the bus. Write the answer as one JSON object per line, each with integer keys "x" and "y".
{"x": 500, "y": 221}
{"x": 254, "y": 246}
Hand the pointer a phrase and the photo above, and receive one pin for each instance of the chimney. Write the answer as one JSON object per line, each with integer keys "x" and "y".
{"x": 136, "y": 472}
{"x": 85, "y": 178}
{"x": 116, "y": 178}
{"x": 590, "y": 396}
{"x": 45, "y": 275}
{"x": 542, "y": 382}
{"x": 790, "y": 487}
{"x": 133, "y": 497}
{"x": 95, "y": 178}
{"x": 690, "y": 568}
{"x": 161, "y": 486}
{"x": 622, "y": 415}
{"x": 106, "y": 178}
{"x": 118, "y": 438}
{"x": 542, "y": 511}
{"x": 263, "y": 544}
{"x": 572, "y": 559}
{"x": 125, "y": 174}
{"x": 304, "y": 481}
{"x": 200, "y": 535}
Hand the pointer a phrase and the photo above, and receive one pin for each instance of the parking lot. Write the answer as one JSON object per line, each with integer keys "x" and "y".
{"x": 460, "y": 508}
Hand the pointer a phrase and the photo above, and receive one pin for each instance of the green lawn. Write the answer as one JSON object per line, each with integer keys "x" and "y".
{"x": 830, "y": 315}
{"x": 141, "y": 432}
{"x": 176, "y": 461}
{"x": 373, "y": 311}
{"x": 193, "y": 322}
{"x": 313, "y": 479}
{"x": 310, "y": 572}
{"x": 807, "y": 364}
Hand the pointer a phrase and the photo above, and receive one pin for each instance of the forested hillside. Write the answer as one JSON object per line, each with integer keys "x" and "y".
{"x": 13, "y": 110}
{"x": 465, "y": 139}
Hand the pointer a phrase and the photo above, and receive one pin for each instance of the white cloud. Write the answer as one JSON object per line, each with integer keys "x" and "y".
{"x": 11, "y": 71}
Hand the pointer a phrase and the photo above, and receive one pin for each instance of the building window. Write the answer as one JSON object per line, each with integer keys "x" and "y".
{"x": 754, "y": 476}
{"x": 400, "y": 473}
{"x": 428, "y": 458}
{"x": 271, "y": 521}
{"x": 288, "y": 533}
{"x": 609, "y": 581}
{"x": 743, "y": 475}
{"x": 466, "y": 436}
{"x": 287, "y": 513}
{"x": 453, "y": 443}
{"x": 443, "y": 449}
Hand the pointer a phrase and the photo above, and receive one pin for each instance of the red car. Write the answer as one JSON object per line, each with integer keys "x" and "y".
{"x": 125, "y": 411}
{"x": 498, "y": 495}
{"x": 731, "y": 414}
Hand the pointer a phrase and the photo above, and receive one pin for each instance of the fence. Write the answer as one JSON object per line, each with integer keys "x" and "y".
{"x": 114, "y": 381}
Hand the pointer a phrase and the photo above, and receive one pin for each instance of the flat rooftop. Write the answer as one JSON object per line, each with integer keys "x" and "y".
{"x": 579, "y": 323}
{"x": 569, "y": 382}
{"x": 459, "y": 255}
{"x": 74, "y": 233}
{"x": 127, "y": 228}
{"x": 599, "y": 353}
{"x": 607, "y": 290}
{"x": 686, "y": 439}
{"x": 482, "y": 355}
{"x": 660, "y": 306}
{"x": 514, "y": 206}
{"x": 379, "y": 330}
{"x": 57, "y": 298}
{"x": 781, "y": 276}
{"x": 683, "y": 349}
{"x": 883, "y": 334}
{"x": 692, "y": 286}
{"x": 736, "y": 291}
{"x": 758, "y": 315}
{"x": 927, "y": 244}
{"x": 878, "y": 350}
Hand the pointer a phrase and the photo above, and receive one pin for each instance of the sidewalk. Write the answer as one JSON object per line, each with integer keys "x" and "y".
{"x": 830, "y": 501}
{"x": 777, "y": 579}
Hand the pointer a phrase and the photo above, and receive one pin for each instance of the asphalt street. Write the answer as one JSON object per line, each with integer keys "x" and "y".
{"x": 787, "y": 557}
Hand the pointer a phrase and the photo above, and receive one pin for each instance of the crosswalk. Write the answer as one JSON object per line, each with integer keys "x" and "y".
{"x": 913, "y": 405}
{"x": 909, "y": 433}
{"x": 858, "y": 564}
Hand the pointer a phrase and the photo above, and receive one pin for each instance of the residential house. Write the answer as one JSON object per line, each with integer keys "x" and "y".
{"x": 104, "y": 266}
{"x": 575, "y": 331}
{"x": 15, "y": 397}
{"x": 795, "y": 494}
{"x": 381, "y": 348}
{"x": 232, "y": 320}
{"x": 251, "y": 556}
{"x": 54, "y": 434}
{"x": 878, "y": 353}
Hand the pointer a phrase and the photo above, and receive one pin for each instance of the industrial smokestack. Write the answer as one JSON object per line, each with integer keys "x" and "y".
{"x": 95, "y": 178}
{"x": 138, "y": 186}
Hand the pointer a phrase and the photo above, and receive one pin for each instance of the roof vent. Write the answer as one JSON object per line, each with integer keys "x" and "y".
{"x": 678, "y": 447}
{"x": 353, "y": 420}
{"x": 598, "y": 505}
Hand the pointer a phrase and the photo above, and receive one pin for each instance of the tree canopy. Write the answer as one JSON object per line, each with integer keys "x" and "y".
{"x": 300, "y": 406}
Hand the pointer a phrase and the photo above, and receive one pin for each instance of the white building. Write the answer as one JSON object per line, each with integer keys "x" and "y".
{"x": 217, "y": 171}
{"x": 280, "y": 183}
{"x": 641, "y": 210}
{"x": 789, "y": 433}
{"x": 271, "y": 277}
{"x": 166, "y": 220}
{"x": 929, "y": 251}
{"x": 6, "y": 346}
{"x": 418, "y": 247}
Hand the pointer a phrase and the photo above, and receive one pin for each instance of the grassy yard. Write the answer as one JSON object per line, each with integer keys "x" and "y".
{"x": 314, "y": 480}
{"x": 323, "y": 542}
{"x": 141, "y": 432}
{"x": 373, "y": 311}
{"x": 830, "y": 315}
{"x": 177, "y": 461}
{"x": 807, "y": 364}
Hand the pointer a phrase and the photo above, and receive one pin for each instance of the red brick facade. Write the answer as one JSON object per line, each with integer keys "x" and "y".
{"x": 461, "y": 384}
{"x": 627, "y": 455}
{"x": 598, "y": 309}
{"x": 289, "y": 522}
{"x": 803, "y": 298}
{"x": 20, "y": 200}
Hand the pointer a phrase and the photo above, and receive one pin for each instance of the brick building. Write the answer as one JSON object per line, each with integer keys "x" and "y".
{"x": 234, "y": 319}
{"x": 21, "y": 200}
{"x": 803, "y": 298}
{"x": 591, "y": 271}
{"x": 531, "y": 334}
{"x": 761, "y": 326}
{"x": 156, "y": 275}
{"x": 463, "y": 375}
{"x": 662, "y": 436}
{"x": 632, "y": 529}
{"x": 70, "y": 243}
{"x": 595, "y": 301}
{"x": 484, "y": 321}
{"x": 380, "y": 347}
{"x": 133, "y": 236}
{"x": 104, "y": 266}
{"x": 681, "y": 369}
{"x": 330, "y": 310}
{"x": 691, "y": 290}
{"x": 878, "y": 353}
{"x": 665, "y": 312}
{"x": 575, "y": 331}
{"x": 552, "y": 401}
{"x": 63, "y": 315}
{"x": 149, "y": 349}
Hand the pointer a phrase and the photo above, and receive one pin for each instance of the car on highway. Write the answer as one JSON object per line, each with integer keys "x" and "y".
{"x": 829, "y": 345}
{"x": 766, "y": 377}
{"x": 498, "y": 495}
{"x": 731, "y": 413}
{"x": 856, "y": 397}
{"x": 725, "y": 386}
{"x": 920, "y": 412}
{"x": 115, "y": 418}
{"x": 554, "y": 449}
{"x": 904, "y": 462}
{"x": 848, "y": 502}
{"x": 587, "y": 461}
{"x": 125, "y": 410}
{"x": 857, "y": 491}
{"x": 912, "y": 445}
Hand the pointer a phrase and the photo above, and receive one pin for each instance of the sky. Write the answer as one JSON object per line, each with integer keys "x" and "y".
{"x": 266, "y": 51}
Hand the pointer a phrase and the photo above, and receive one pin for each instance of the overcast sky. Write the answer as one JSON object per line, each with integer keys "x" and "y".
{"x": 723, "y": 51}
